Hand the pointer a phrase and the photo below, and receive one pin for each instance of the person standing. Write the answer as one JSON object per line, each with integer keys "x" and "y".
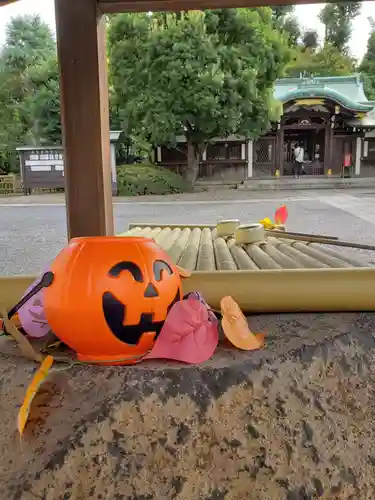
{"x": 298, "y": 161}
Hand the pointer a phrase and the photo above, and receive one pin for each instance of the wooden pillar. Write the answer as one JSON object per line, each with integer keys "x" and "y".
{"x": 328, "y": 146}
{"x": 279, "y": 157}
{"x": 85, "y": 119}
{"x": 23, "y": 172}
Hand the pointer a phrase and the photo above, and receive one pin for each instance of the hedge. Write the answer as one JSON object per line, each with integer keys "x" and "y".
{"x": 136, "y": 180}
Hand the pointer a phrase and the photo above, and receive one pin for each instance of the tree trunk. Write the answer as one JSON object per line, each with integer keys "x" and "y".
{"x": 191, "y": 172}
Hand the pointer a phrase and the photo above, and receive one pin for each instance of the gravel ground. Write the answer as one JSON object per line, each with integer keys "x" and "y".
{"x": 33, "y": 228}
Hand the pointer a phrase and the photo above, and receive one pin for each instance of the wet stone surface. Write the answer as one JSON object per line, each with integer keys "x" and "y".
{"x": 294, "y": 421}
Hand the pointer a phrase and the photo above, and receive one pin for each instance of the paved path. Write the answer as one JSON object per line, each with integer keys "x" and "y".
{"x": 33, "y": 228}
{"x": 216, "y": 195}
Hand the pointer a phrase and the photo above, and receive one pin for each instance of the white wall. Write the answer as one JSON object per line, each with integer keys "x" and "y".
{"x": 113, "y": 163}
{"x": 249, "y": 158}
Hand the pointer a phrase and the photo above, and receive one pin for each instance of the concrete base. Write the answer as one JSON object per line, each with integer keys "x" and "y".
{"x": 306, "y": 183}
{"x": 293, "y": 421}
{"x": 211, "y": 185}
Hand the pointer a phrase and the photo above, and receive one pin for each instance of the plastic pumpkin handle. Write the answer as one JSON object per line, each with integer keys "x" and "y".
{"x": 47, "y": 280}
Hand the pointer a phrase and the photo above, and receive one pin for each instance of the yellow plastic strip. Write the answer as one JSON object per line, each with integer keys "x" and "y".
{"x": 37, "y": 381}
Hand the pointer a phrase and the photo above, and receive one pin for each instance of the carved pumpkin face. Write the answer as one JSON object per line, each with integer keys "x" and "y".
{"x": 110, "y": 297}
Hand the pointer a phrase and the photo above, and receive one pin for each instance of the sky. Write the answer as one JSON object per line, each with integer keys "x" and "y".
{"x": 307, "y": 15}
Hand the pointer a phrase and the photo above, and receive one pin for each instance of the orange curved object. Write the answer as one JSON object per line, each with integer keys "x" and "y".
{"x": 110, "y": 296}
{"x": 236, "y": 328}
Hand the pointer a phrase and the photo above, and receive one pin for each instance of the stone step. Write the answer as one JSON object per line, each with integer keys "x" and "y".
{"x": 306, "y": 183}
{"x": 208, "y": 185}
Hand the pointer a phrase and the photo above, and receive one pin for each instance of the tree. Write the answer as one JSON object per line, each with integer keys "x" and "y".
{"x": 28, "y": 41}
{"x": 43, "y": 103}
{"x": 325, "y": 62}
{"x": 337, "y": 19}
{"x": 284, "y": 21}
{"x": 28, "y": 44}
{"x": 330, "y": 62}
{"x": 11, "y": 126}
{"x": 310, "y": 40}
{"x": 280, "y": 12}
{"x": 292, "y": 29}
{"x": 199, "y": 74}
{"x": 367, "y": 67}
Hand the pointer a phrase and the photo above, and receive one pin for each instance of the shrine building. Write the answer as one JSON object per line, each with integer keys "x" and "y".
{"x": 330, "y": 117}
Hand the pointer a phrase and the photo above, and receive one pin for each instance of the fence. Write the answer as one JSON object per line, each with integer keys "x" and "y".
{"x": 264, "y": 157}
{"x": 9, "y": 184}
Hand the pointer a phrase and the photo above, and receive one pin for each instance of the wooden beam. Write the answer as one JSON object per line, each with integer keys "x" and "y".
{"x": 139, "y": 6}
{"x": 115, "y": 6}
{"x": 85, "y": 118}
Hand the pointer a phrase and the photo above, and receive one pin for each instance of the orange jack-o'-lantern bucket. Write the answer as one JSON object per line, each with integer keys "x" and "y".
{"x": 110, "y": 296}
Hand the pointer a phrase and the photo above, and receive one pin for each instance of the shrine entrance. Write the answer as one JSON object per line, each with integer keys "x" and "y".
{"x": 313, "y": 144}
{"x": 310, "y": 133}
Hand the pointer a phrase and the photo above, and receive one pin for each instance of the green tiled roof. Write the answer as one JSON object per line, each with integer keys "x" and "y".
{"x": 345, "y": 90}
{"x": 368, "y": 121}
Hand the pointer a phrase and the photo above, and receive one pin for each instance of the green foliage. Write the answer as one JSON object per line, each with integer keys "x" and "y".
{"x": 199, "y": 74}
{"x": 310, "y": 39}
{"x": 369, "y": 85}
{"x": 327, "y": 61}
{"x": 367, "y": 67}
{"x": 337, "y": 19}
{"x": 286, "y": 23}
{"x": 29, "y": 91}
{"x": 332, "y": 59}
{"x": 28, "y": 42}
{"x": 292, "y": 29}
{"x": 135, "y": 180}
{"x": 43, "y": 103}
{"x": 280, "y": 12}
{"x": 11, "y": 123}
